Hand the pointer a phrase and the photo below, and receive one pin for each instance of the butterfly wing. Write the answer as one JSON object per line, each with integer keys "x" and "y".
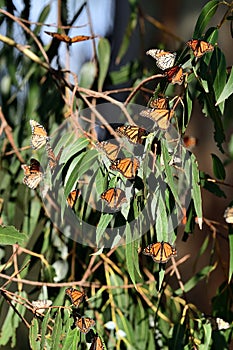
{"x": 160, "y": 252}
{"x": 164, "y": 59}
{"x": 159, "y": 103}
{"x": 79, "y": 38}
{"x": 114, "y": 197}
{"x": 126, "y": 166}
{"x": 84, "y": 324}
{"x": 75, "y": 295}
{"x": 72, "y": 197}
{"x": 33, "y": 174}
{"x": 199, "y": 47}
{"x": 96, "y": 343}
{"x": 60, "y": 37}
{"x": 39, "y": 135}
{"x": 134, "y": 133}
{"x": 175, "y": 75}
{"x": 110, "y": 149}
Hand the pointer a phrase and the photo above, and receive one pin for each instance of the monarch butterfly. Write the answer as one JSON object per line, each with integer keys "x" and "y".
{"x": 111, "y": 149}
{"x": 126, "y": 166}
{"x": 164, "y": 59}
{"x": 134, "y": 133}
{"x": 199, "y": 47}
{"x": 175, "y": 75}
{"x": 159, "y": 103}
{"x": 72, "y": 197}
{"x": 67, "y": 39}
{"x": 96, "y": 343}
{"x": 40, "y": 305}
{"x": 75, "y": 295}
{"x": 160, "y": 116}
{"x": 33, "y": 173}
{"x": 218, "y": 323}
{"x": 114, "y": 197}
{"x": 53, "y": 160}
{"x": 160, "y": 251}
{"x": 228, "y": 215}
{"x": 84, "y": 324}
{"x": 39, "y": 135}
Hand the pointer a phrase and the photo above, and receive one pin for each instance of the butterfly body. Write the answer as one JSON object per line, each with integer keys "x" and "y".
{"x": 114, "y": 197}
{"x": 84, "y": 324}
{"x": 199, "y": 47}
{"x": 126, "y": 166}
{"x": 164, "y": 59}
{"x": 134, "y": 133}
{"x": 160, "y": 252}
{"x": 39, "y": 135}
{"x": 70, "y": 40}
{"x": 33, "y": 174}
{"x": 75, "y": 295}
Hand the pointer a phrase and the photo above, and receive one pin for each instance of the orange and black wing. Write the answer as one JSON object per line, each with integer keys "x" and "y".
{"x": 126, "y": 166}
{"x": 97, "y": 343}
{"x": 159, "y": 103}
{"x": 75, "y": 295}
{"x": 39, "y": 135}
{"x": 110, "y": 149}
{"x": 162, "y": 117}
{"x": 72, "y": 197}
{"x": 175, "y": 75}
{"x": 199, "y": 47}
{"x": 114, "y": 197}
{"x": 33, "y": 173}
{"x": 84, "y": 324}
{"x": 160, "y": 252}
{"x": 70, "y": 40}
{"x": 134, "y": 133}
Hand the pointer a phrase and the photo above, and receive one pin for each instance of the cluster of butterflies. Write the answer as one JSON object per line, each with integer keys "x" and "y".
{"x": 83, "y": 323}
{"x": 165, "y": 60}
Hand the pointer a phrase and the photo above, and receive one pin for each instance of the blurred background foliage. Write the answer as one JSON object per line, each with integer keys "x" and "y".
{"x": 43, "y": 79}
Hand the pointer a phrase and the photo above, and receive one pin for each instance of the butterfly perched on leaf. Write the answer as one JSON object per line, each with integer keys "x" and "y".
{"x": 72, "y": 197}
{"x": 162, "y": 117}
{"x": 134, "y": 133}
{"x": 160, "y": 252}
{"x": 175, "y": 75}
{"x": 126, "y": 166}
{"x": 39, "y": 135}
{"x": 114, "y": 197}
{"x": 109, "y": 148}
{"x": 75, "y": 295}
{"x": 199, "y": 47}
{"x": 97, "y": 343}
{"x": 33, "y": 173}
{"x": 53, "y": 160}
{"x": 164, "y": 59}
{"x": 70, "y": 40}
{"x": 84, "y": 324}
{"x": 40, "y": 305}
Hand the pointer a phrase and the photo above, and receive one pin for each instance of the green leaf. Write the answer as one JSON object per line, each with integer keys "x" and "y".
{"x": 87, "y": 75}
{"x": 57, "y": 331}
{"x": 131, "y": 255}
{"x": 9, "y": 235}
{"x": 218, "y": 64}
{"x": 103, "y": 53}
{"x": 71, "y": 340}
{"x": 44, "y": 330}
{"x": 218, "y": 168}
{"x": 77, "y": 146}
{"x": 105, "y": 219}
{"x": 196, "y": 190}
{"x": 125, "y": 73}
{"x": 207, "y": 13}
{"x": 33, "y": 335}
{"x": 227, "y": 90}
